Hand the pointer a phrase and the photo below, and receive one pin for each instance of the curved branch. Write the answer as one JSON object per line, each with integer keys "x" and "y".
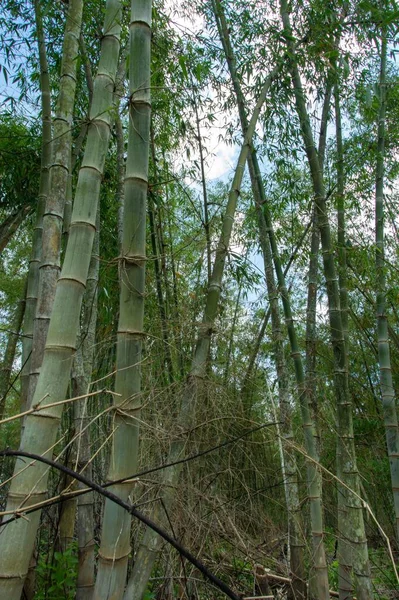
{"x": 135, "y": 513}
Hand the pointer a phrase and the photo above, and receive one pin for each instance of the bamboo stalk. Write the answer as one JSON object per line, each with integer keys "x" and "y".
{"x": 81, "y": 377}
{"x": 353, "y": 527}
{"x": 35, "y": 258}
{"x": 9, "y": 354}
{"x": 150, "y": 544}
{"x": 384, "y": 359}
{"x": 10, "y": 225}
{"x": 157, "y": 251}
{"x": 344, "y": 552}
{"x": 269, "y": 249}
{"x": 17, "y": 538}
{"x": 115, "y": 536}
{"x": 55, "y": 201}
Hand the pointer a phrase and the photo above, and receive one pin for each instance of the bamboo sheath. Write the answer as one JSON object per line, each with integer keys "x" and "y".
{"x": 55, "y": 201}
{"x": 17, "y": 538}
{"x": 150, "y": 545}
{"x": 354, "y": 524}
{"x": 115, "y": 536}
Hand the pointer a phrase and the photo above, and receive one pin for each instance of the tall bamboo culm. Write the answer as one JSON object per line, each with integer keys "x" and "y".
{"x": 115, "y": 536}
{"x": 35, "y": 259}
{"x": 296, "y": 530}
{"x": 55, "y": 201}
{"x": 9, "y": 354}
{"x": 150, "y": 545}
{"x": 10, "y": 225}
{"x": 384, "y": 359}
{"x": 313, "y": 475}
{"x": 29, "y": 484}
{"x": 352, "y": 525}
{"x": 81, "y": 377}
{"x": 344, "y": 553}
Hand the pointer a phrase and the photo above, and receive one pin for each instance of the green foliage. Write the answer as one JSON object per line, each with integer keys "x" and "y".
{"x": 57, "y": 579}
{"x": 189, "y": 75}
{"x": 333, "y": 574}
{"x": 19, "y": 163}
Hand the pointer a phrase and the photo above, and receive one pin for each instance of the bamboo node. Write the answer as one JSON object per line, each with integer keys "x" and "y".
{"x": 133, "y": 259}
{"x": 126, "y": 412}
{"x": 112, "y": 559}
{"x": 135, "y": 332}
{"x": 206, "y": 329}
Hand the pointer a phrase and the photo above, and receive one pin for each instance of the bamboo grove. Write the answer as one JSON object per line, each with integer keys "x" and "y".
{"x": 199, "y": 287}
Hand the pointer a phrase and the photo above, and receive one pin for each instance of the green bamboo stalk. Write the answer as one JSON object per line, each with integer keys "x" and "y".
{"x": 35, "y": 258}
{"x": 340, "y": 195}
{"x": 66, "y": 520}
{"x": 80, "y": 138}
{"x": 115, "y": 537}
{"x": 59, "y": 190}
{"x": 289, "y": 464}
{"x": 10, "y": 225}
{"x": 311, "y": 306}
{"x": 55, "y": 202}
{"x": 156, "y": 253}
{"x": 81, "y": 377}
{"x": 246, "y": 381}
{"x": 150, "y": 544}
{"x": 311, "y": 313}
{"x": 30, "y": 485}
{"x": 353, "y": 527}
{"x": 174, "y": 301}
{"x": 344, "y": 550}
{"x": 204, "y": 189}
{"x": 120, "y": 192}
{"x": 230, "y": 343}
{"x": 261, "y": 331}
{"x": 384, "y": 360}
{"x": 314, "y": 476}
{"x": 120, "y": 145}
{"x": 9, "y": 354}
{"x": 314, "y": 480}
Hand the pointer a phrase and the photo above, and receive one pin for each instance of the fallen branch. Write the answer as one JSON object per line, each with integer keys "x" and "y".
{"x": 135, "y": 513}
